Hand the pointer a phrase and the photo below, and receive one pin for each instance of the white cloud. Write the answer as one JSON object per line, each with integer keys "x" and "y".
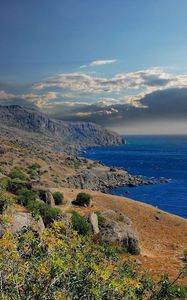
{"x": 124, "y": 88}
{"x": 97, "y": 63}
{"x": 94, "y": 84}
{"x": 137, "y": 84}
{"x": 102, "y": 62}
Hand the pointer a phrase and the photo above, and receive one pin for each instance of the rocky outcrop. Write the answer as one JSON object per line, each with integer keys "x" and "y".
{"x": 81, "y": 134}
{"x": 116, "y": 228}
{"x": 103, "y": 179}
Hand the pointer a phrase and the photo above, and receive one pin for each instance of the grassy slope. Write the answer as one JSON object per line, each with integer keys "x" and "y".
{"x": 163, "y": 237}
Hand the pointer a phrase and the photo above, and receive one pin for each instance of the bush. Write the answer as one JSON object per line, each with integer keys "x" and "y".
{"x": 34, "y": 207}
{"x": 33, "y": 174}
{"x": 25, "y": 196}
{"x": 34, "y": 166}
{"x": 4, "y": 181}
{"x": 14, "y": 185}
{"x": 80, "y": 224}
{"x": 5, "y": 201}
{"x": 49, "y": 214}
{"x": 16, "y": 173}
{"x": 58, "y": 198}
{"x": 82, "y": 199}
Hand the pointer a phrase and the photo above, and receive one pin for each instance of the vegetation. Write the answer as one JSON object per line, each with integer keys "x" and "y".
{"x": 63, "y": 265}
{"x": 16, "y": 173}
{"x": 58, "y": 198}
{"x": 80, "y": 224}
{"x": 25, "y": 196}
{"x": 100, "y": 217}
{"x": 49, "y": 214}
{"x": 28, "y": 198}
{"x": 4, "y": 181}
{"x": 83, "y": 199}
{"x": 34, "y": 170}
{"x": 14, "y": 185}
{"x": 5, "y": 200}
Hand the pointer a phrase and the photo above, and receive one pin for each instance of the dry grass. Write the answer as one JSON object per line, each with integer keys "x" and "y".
{"x": 163, "y": 237}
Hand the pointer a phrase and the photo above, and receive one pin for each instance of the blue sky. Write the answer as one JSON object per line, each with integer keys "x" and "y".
{"x": 140, "y": 42}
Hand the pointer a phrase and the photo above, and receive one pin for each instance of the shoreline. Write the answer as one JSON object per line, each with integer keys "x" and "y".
{"x": 156, "y": 194}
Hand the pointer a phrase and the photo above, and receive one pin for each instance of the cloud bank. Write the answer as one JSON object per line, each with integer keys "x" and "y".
{"x": 119, "y": 100}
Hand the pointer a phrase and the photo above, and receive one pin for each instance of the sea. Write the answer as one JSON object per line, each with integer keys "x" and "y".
{"x": 151, "y": 156}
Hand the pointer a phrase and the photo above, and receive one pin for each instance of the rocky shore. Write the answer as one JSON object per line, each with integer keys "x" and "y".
{"x": 105, "y": 178}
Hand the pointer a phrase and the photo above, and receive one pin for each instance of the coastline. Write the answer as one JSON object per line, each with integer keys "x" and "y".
{"x": 161, "y": 157}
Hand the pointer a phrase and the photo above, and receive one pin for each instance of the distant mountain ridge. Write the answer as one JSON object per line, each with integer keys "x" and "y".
{"x": 79, "y": 133}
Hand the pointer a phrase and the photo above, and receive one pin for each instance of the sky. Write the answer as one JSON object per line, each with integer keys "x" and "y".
{"x": 119, "y": 63}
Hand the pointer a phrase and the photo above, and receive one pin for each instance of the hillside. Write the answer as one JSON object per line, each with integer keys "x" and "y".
{"x": 35, "y": 163}
{"x": 163, "y": 237}
{"x": 77, "y": 134}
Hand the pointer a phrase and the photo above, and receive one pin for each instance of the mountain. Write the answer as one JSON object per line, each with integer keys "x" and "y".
{"x": 72, "y": 133}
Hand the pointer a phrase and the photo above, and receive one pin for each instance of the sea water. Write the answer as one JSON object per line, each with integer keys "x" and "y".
{"x": 151, "y": 156}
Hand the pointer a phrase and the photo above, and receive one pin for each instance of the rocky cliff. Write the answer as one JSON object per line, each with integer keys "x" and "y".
{"x": 77, "y": 133}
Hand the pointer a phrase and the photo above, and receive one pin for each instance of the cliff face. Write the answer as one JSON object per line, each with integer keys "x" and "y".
{"x": 79, "y": 133}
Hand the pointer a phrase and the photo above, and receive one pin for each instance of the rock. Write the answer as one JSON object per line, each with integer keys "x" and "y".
{"x": 94, "y": 222}
{"x": 45, "y": 195}
{"x": 117, "y": 229}
{"x": 25, "y": 219}
{"x": 49, "y": 199}
{"x": 103, "y": 178}
{"x": 138, "y": 262}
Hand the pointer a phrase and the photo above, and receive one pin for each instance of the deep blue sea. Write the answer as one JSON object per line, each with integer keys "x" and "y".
{"x": 152, "y": 156}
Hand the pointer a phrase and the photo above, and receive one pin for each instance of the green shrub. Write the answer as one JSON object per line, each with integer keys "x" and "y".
{"x": 34, "y": 166}
{"x": 49, "y": 214}
{"x": 34, "y": 207}
{"x": 58, "y": 198}
{"x": 4, "y": 181}
{"x": 5, "y": 200}
{"x": 82, "y": 199}
{"x": 25, "y": 196}
{"x": 16, "y": 173}
{"x": 14, "y": 185}
{"x": 33, "y": 174}
{"x": 80, "y": 224}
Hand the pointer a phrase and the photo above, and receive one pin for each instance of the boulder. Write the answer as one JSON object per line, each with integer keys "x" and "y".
{"x": 49, "y": 199}
{"x": 94, "y": 222}
{"x": 25, "y": 219}
{"x": 117, "y": 229}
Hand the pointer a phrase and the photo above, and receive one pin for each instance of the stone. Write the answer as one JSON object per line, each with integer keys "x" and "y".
{"x": 138, "y": 262}
{"x": 49, "y": 199}
{"x": 93, "y": 219}
{"x": 45, "y": 195}
{"x": 117, "y": 229}
{"x": 25, "y": 219}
